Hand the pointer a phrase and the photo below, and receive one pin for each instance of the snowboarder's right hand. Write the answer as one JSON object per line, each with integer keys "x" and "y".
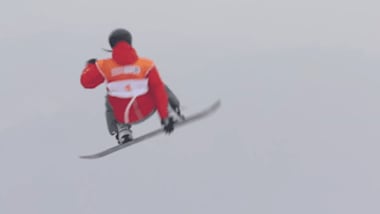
{"x": 91, "y": 61}
{"x": 168, "y": 124}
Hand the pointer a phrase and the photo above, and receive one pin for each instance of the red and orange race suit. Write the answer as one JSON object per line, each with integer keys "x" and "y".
{"x": 135, "y": 89}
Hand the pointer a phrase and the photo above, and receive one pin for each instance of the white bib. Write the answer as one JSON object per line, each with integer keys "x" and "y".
{"x": 128, "y": 88}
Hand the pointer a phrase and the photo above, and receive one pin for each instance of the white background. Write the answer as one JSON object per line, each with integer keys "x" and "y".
{"x": 298, "y": 131}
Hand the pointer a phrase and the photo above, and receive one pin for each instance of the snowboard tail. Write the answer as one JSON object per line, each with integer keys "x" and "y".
{"x": 187, "y": 120}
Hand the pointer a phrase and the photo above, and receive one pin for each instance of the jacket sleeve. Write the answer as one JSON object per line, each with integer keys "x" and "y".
{"x": 91, "y": 76}
{"x": 159, "y": 94}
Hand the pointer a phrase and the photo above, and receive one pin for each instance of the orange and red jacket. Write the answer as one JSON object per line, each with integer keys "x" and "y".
{"x": 135, "y": 89}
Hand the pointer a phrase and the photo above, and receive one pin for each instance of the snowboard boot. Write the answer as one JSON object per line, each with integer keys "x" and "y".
{"x": 174, "y": 106}
{"x": 175, "y": 113}
{"x": 124, "y": 133}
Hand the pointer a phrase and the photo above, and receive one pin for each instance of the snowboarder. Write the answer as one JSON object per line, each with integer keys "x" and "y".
{"x": 134, "y": 88}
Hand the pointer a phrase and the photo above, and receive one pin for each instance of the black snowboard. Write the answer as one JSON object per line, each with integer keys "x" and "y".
{"x": 187, "y": 120}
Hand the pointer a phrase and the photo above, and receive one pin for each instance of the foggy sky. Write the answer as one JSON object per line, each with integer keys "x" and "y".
{"x": 297, "y": 131}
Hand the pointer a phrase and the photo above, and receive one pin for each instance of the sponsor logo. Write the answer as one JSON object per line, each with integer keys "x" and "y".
{"x": 129, "y": 69}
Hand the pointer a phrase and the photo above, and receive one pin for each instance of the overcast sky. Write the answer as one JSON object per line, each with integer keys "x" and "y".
{"x": 297, "y": 132}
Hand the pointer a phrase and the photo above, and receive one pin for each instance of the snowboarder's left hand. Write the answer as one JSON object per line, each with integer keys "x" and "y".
{"x": 168, "y": 124}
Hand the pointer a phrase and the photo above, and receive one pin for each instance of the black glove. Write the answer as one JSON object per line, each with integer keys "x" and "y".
{"x": 168, "y": 124}
{"x": 91, "y": 61}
